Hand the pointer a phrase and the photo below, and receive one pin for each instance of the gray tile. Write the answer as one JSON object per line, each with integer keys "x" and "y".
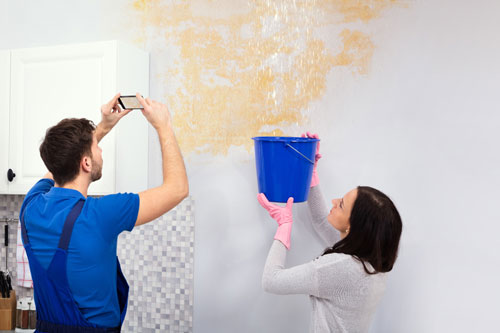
{"x": 160, "y": 256}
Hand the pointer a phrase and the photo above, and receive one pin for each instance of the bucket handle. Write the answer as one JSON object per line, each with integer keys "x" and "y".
{"x": 298, "y": 152}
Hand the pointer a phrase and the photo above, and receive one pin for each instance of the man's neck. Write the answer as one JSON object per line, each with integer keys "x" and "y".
{"x": 79, "y": 184}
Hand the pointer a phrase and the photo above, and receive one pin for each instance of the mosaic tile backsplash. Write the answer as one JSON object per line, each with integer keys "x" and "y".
{"x": 9, "y": 208}
{"x": 157, "y": 258}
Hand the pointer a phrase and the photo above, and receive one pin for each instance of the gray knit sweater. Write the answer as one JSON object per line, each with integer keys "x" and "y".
{"x": 343, "y": 296}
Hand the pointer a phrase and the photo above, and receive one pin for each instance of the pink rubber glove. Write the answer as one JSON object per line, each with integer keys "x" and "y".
{"x": 315, "y": 178}
{"x": 282, "y": 215}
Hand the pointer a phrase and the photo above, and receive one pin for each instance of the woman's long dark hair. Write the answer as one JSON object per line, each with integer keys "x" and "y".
{"x": 374, "y": 232}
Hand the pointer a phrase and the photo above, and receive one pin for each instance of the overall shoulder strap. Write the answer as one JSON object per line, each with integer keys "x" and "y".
{"x": 24, "y": 234}
{"x": 69, "y": 224}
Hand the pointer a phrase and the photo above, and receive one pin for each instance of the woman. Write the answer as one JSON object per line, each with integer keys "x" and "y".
{"x": 346, "y": 283}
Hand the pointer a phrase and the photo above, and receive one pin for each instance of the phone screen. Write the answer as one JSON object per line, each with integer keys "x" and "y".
{"x": 129, "y": 102}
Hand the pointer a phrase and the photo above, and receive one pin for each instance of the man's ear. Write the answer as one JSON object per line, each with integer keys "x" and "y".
{"x": 86, "y": 163}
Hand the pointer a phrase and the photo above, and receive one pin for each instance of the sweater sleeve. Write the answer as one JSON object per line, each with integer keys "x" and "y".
{"x": 302, "y": 279}
{"x": 319, "y": 213}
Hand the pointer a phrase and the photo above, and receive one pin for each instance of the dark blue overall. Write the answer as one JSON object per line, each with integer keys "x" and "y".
{"x": 56, "y": 308}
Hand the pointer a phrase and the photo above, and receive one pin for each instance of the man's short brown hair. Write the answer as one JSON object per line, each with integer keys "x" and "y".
{"x": 64, "y": 146}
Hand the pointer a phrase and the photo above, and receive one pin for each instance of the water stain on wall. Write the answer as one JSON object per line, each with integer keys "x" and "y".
{"x": 247, "y": 68}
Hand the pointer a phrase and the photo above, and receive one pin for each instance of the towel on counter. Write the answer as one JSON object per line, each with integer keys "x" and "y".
{"x": 23, "y": 267}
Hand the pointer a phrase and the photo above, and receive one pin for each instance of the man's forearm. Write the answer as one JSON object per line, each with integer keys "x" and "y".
{"x": 48, "y": 175}
{"x": 101, "y": 131}
{"x": 174, "y": 171}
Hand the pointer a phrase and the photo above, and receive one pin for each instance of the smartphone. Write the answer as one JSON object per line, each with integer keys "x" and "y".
{"x": 129, "y": 102}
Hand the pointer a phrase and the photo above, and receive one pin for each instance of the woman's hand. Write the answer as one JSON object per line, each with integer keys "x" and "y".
{"x": 282, "y": 215}
{"x": 315, "y": 178}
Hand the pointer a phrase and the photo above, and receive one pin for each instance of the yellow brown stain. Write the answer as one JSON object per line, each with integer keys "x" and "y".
{"x": 356, "y": 10}
{"x": 258, "y": 68}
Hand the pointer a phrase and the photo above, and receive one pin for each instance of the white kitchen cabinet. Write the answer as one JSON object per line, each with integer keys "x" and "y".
{"x": 48, "y": 84}
{"x": 4, "y": 117}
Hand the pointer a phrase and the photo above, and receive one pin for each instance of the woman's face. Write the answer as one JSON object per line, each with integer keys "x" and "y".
{"x": 341, "y": 212}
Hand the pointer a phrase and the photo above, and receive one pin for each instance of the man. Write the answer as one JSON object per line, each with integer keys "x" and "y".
{"x": 71, "y": 239}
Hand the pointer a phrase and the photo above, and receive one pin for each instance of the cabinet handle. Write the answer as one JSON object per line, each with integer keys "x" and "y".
{"x": 10, "y": 175}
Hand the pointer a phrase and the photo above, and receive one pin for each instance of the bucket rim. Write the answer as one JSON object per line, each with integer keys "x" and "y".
{"x": 284, "y": 139}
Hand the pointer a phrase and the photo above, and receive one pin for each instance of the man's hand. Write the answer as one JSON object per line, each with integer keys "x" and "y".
{"x": 155, "y": 112}
{"x": 111, "y": 113}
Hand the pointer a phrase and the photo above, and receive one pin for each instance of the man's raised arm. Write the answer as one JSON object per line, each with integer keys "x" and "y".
{"x": 159, "y": 200}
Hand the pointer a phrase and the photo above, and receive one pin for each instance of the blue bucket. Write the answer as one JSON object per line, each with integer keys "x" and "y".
{"x": 284, "y": 166}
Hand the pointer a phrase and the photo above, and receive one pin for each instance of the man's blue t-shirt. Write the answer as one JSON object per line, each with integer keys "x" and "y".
{"x": 91, "y": 266}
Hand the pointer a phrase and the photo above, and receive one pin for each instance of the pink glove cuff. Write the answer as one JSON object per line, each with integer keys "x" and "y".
{"x": 283, "y": 234}
{"x": 314, "y": 179}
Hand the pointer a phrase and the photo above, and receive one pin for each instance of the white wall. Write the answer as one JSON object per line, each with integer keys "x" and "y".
{"x": 422, "y": 126}
{"x": 439, "y": 113}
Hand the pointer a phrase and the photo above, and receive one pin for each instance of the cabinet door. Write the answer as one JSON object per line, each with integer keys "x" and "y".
{"x": 52, "y": 83}
{"x": 4, "y": 117}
